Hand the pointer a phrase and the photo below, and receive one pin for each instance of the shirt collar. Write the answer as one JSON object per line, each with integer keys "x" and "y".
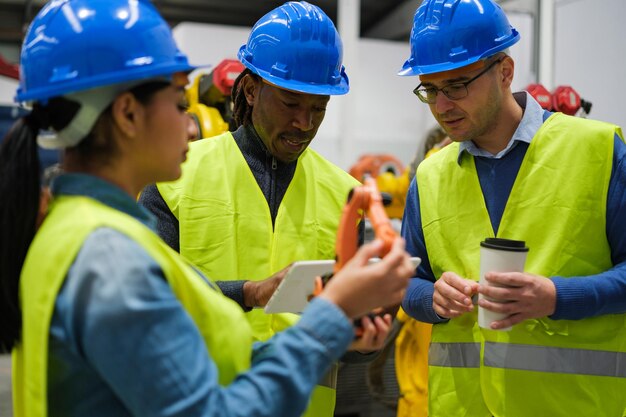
{"x": 532, "y": 119}
{"x": 251, "y": 143}
{"x": 104, "y": 192}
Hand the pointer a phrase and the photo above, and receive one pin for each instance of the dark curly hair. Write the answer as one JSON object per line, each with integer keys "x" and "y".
{"x": 242, "y": 111}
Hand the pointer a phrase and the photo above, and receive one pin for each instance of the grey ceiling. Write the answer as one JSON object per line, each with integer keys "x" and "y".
{"x": 379, "y": 18}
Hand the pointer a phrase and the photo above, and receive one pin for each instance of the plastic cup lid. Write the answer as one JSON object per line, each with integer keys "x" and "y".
{"x": 504, "y": 244}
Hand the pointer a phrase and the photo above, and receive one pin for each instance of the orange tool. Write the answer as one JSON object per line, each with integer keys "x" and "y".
{"x": 362, "y": 200}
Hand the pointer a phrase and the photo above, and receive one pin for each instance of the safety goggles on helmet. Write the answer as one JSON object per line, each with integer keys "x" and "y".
{"x": 454, "y": 91}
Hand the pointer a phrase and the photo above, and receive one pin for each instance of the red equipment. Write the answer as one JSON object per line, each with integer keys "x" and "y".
{"x": 541, "y": 94}
{"x": 9, "y": 70}
{"x": 225, "y": 74}
{"x": 566, "y": 100}
{"x": 563, "y": 99}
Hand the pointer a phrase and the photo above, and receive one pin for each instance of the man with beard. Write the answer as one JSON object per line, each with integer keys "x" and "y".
{"x": 516, "y": 172}
{"x": 252, "y": 201}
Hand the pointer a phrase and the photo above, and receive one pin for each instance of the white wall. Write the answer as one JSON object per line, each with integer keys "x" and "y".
{"x": 389, "y": 118}
{"x": 8, "y": 87}
{"x": 590, "y": 54}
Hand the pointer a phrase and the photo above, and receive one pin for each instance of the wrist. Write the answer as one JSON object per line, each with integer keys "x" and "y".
{"x": 249, "y": 294}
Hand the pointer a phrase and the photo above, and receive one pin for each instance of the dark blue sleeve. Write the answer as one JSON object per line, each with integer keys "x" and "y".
{"x": 418, "y": 301}
{"x": 604, "y": 293}
{"x": 167, "y": 223}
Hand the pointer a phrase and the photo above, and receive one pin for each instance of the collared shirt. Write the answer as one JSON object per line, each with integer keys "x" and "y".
{"x": 532, "y": 119}
{"x": 121, "y": 343}
{"x": 577, "y": 297}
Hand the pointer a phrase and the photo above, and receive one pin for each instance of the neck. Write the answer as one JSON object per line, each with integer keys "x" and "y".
{"x": 116, "y": 172}
{"x": 506, "y": 122}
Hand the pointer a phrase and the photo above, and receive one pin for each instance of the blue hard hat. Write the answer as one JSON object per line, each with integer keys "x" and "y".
{"x": 450, "y": 34}
{"x": 77, "y": 45}
{"x": 297, "y": 47}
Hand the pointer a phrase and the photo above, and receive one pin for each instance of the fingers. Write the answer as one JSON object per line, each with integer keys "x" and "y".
{"x": 396, "y": 262}
{"x": 374, "y": 334}
{"x": 508, "y": 322}
{"x": 367, "y": 251}
{"x": 452, "y": 295}
{"x": 359, "y": 287}
{"x": 509, "y": 279}
{"x": 258, "y": 293}
{"x": 526, "y": 296}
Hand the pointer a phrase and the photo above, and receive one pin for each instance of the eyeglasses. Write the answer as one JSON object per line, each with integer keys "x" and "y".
{"x": 454, "y": 91}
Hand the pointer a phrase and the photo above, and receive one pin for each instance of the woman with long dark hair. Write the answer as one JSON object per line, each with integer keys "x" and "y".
{"x": 104, "y": 318}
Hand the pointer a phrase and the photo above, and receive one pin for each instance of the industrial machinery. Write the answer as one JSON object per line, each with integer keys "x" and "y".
{"x": 391, "y": 177}
{"x": 209, "y": 98}
{"x": 564, "y": 99}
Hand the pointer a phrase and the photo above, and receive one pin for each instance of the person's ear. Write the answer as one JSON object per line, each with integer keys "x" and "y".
{"x": 507, "y": 71}
{"x": 125, "y": 113}
{"x": 251, "y": 86}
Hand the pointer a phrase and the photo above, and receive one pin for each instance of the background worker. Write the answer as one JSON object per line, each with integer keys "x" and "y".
{"x": 509, "y": 174}
{"x": 436, "y": 139}
{"x": 251, "y": 202}
{"x": 108, "y": 319}
{"x": 413, "y": 339}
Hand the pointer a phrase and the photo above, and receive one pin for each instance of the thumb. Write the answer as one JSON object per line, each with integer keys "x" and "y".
{"x": 367, "y": 251}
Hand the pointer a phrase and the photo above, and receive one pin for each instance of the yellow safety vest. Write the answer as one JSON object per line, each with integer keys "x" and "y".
{"x": 69, "y": 222}
{"x": 557, "y": 205}
{"x": 225, "y": 225}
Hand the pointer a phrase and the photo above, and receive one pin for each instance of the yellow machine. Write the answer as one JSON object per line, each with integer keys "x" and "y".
{"x": 391, "y": 176}
{"x": 209, "y": 98}
{"x": 413, "y": 338}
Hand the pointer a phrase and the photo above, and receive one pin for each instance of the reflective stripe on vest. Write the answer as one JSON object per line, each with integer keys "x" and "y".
{"x": 454, "y": 355}
{"x": 553, "y": 359}
{"x": 219, "y": 320}
{"x": 561, "y": 214}
{"x": 530, "y": 358}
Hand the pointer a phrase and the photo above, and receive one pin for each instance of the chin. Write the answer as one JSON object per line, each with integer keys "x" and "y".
{"x": 172, "y": 175}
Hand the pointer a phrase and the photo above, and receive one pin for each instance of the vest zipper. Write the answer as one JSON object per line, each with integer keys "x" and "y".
{"x": 273, "y": 191}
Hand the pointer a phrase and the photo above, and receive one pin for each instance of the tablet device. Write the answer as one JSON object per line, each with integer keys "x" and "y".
{"x": 292, "y": 295}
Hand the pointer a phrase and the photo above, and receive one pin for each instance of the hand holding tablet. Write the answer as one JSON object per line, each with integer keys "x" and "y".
{"x": 292, "y": 295}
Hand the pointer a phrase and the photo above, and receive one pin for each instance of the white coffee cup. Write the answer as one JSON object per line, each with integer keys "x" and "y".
{"x": 498, "y": 255}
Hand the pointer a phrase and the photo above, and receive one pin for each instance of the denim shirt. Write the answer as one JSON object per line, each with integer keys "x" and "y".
{"x": 121, "y": 343}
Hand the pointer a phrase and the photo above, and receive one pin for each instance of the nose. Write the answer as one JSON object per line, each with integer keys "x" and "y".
{"x": 442, "y": 103}
{"x": 303, "y": 120}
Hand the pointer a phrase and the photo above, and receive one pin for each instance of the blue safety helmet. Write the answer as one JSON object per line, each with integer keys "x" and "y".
{"x": 297, "y": 47}
{"x": 78, "y": 45}
{"x": 450, "y": 34}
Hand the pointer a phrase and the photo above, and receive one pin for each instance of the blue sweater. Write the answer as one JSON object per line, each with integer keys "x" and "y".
{"x": 577, "y": 297}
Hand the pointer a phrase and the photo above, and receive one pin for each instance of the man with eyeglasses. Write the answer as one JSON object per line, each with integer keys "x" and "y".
{"x": 514, "y": 171}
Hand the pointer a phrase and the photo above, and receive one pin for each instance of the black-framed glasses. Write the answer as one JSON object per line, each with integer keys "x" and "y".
{"x": 455, "y": 91}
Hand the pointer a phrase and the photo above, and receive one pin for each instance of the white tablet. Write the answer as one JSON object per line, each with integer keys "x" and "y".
{"x": 292, "y": 295}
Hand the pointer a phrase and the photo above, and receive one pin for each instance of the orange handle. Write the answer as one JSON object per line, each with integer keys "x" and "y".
{"x": 365, "y": 198}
